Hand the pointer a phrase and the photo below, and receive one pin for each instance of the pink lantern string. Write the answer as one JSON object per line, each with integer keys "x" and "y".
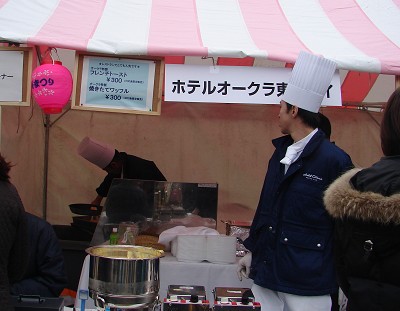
{"x": 51, "y": 86}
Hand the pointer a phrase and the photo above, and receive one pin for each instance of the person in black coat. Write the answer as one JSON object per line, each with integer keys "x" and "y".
{"x": 366, "y": 207}
{"x": 117, "y": 165}
{"x": 13, "y": 236}
{"x": 45, "y": 275}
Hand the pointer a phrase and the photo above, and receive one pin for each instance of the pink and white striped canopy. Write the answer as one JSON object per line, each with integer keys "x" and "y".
{"x": 360, "y": 35}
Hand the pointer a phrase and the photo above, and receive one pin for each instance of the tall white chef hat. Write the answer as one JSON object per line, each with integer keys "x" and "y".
{"x": 96, "y": 152}
{"x": 309, "y": 81}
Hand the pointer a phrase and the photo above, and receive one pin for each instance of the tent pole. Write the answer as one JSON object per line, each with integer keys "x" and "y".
{"x": 46, "y": 149}
{"x": 46, "y": 165}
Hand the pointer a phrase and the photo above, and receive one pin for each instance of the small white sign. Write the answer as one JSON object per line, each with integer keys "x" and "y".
{"x": 11, "y": 73}
{"x": 234, "y": 84}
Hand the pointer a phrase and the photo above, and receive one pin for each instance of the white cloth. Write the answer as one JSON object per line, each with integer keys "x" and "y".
{"x": 197, "y": 248}
{"x": 278, "y": 301}
{"x": 294, "y": 151}
{"x": 167, "y": 236}
{"x": 291, "y": 153}
{"x": 221, "y": 249}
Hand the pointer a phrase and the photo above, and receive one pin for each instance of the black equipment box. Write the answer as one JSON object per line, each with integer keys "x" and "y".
{"x": 186, "y": 298}
{"x": 235, "y": 299}
{"x": 185, "y": 305}
{"x": 186, "y": 292}
{"x": 37, "y": 303}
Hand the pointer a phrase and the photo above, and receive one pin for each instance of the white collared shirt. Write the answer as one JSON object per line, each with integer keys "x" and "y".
{"x": 294, "y": 151}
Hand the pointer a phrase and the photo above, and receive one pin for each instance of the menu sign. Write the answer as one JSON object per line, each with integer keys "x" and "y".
{"x": 117, "y": 83}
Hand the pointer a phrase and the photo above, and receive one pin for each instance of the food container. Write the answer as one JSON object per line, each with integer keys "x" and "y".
{"x": 124, "y": 276}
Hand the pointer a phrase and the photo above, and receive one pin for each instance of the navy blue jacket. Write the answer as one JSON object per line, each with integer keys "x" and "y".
{"x": 291, "y": 234}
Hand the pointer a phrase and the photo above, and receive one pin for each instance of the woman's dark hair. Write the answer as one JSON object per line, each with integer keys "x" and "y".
{"x": 309, "y": 118}
{"x": 4, "y": 169}
{"x": 325, "y": 125}
{"x": 390, "y": 126}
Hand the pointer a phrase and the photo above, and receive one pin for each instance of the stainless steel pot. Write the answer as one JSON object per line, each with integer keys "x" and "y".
{"x": 124, "y": 276}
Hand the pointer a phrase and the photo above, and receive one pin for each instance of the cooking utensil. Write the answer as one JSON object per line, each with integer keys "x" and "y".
{"x": 124, "y": 276}
{"x": 86, "y": 209}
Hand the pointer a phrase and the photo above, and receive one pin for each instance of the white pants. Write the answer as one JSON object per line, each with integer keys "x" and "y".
{"x": 278, "y": 301}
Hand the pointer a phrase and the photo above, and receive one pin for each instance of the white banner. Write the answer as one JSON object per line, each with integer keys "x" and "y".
{"x": 234, "y": 84}
{"x": 11, "y": 71}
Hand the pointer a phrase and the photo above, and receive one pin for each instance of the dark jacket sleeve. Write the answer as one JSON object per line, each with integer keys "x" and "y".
{"x": 46, "y": 272}
{"x": 18, "y": 255}
{"x": 102, "y": 190}
{"x": 339, "y": 258}
{"x": 156, "y": 175}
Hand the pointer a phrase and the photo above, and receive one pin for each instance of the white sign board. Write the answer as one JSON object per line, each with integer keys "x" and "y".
{"x": 11, "y": 76}
{"x": 117, "y": 83}
{"x": 234, "y": 84}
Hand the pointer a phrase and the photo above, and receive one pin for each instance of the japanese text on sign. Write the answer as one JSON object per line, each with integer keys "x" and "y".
{"x": 117, "y": 83}
{"x": 227, "y": 84}
{"x": 209, "y": 87}
{"x": 11, "y": 71}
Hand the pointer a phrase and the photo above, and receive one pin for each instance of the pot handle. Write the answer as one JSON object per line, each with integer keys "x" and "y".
{"x": 157, "y": 305}
{"x": 30, "y": 298}
{"x": 100, "y": 302}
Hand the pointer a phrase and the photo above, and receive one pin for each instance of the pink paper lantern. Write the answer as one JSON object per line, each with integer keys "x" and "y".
{"x": 51, "y": 86}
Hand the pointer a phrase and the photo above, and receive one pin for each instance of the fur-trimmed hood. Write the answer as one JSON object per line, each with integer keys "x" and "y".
{"x": 342, "y": 200}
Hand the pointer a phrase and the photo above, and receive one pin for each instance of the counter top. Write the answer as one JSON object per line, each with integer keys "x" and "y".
{"x": 174, "y": 272}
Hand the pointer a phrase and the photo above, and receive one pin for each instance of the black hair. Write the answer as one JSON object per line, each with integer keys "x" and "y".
{"x": 325, "y": 125}
{"x": 390, "y": 126}
{"x": 309, "y": 118}
{"x": 4, "y": 169}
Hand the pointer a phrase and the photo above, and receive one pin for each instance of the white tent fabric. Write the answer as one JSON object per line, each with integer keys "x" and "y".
{"x": 360, "y": 35}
